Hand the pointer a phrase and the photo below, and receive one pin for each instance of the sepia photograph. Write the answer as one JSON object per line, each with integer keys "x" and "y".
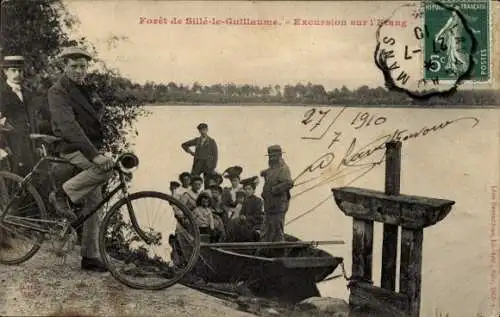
{"x": 249, "y": 158}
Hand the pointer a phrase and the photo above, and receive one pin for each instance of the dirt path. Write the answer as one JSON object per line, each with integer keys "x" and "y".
{"x": 42, "y": 286}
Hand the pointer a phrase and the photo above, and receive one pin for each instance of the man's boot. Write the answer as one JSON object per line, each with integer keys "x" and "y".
{"x": 61, "y": 205}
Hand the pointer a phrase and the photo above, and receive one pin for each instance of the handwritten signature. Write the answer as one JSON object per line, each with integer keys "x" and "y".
{"x": 358, "y": 160}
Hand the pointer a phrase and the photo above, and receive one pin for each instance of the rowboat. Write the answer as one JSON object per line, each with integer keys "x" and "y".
{"x": 286, "y": 270}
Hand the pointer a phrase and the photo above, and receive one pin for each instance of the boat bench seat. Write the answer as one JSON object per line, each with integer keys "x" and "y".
{"x": 305, "y": 262}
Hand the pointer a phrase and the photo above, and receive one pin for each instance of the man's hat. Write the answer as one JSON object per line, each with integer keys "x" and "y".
{"x": 233, "y": 172}
{"x": 252, "y": 181}
{"x": 217, "y": 178}
{"x": 202, "y": 126}
{"x": 195, "y": 178}
{"x": 184, "y": 174}
{"x": 15, "y": 61}
{"x": 274, "y": 150}
{"x": 75, "y": 51}
{"x": 174, "y": 184}
{"x": 216, "y": 187}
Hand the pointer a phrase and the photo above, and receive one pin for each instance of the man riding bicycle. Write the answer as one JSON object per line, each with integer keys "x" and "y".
{"x": 76, "y": 115}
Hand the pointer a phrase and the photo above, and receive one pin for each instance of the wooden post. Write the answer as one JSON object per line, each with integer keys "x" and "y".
{"x": 362, "y": 250}
{"x": 413, "y": 214}
{"x": 410, "y": 275}
{"x": 390, "y": 239}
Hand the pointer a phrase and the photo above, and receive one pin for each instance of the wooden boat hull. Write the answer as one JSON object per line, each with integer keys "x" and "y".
{"x": 288, "y": 274}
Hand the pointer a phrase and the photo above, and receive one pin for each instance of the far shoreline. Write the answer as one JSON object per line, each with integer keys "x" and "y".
{"x": 312, "y": 105}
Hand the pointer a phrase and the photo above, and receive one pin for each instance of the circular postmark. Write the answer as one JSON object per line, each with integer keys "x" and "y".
{"x": 433, "y": 55}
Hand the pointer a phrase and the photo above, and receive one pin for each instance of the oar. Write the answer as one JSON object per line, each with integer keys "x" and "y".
{"x": 269, "y": 245}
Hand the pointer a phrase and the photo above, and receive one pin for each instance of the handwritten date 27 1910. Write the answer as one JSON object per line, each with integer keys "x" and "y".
{"x": 355, "y": 161}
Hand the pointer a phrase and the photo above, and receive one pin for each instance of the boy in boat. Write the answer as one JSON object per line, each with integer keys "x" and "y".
{"x": 229, "y": 193}
{"x": 185, "y": 180}
{"x": 190, "y": 197}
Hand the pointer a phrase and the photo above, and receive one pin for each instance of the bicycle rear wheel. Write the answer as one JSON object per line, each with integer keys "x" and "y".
{"x": 19, "y": 242}
{"x": 137, "y": 245}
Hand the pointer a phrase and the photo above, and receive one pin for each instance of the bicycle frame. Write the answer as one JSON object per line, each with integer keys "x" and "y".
{"x": 122, "y": 186}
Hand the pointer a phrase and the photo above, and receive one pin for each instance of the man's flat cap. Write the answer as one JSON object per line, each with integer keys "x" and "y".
{"x": 202, "y": 126}
{"x": 75, "y": 51}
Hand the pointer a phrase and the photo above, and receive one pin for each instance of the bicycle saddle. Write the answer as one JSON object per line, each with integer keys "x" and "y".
{"x": 44, "y": 138}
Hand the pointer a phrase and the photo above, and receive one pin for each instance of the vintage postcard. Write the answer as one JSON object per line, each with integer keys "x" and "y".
{"x": 249, "y": 158}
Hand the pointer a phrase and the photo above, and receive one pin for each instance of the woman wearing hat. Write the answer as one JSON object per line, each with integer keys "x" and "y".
{"x": 229, "y": 193}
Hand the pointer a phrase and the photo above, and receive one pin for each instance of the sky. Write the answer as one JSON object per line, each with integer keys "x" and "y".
{"x": 286, "y": 53}
{"x": 263, "y": 55}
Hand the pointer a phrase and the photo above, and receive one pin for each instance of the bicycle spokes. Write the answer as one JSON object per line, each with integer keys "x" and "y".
{"x": 136, "y": 241}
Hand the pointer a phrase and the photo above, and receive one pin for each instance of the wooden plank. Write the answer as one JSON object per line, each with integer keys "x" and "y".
{"x": 269, "y": 245}
{"x": 400, "y": 210}
{"x": 390, "y": 234}
{"x": 411, "y": 268}
{"x": 310, "y": 262}
{"x": 353, "y": 193}
{"x": 378, "y": 302}
{"x": 362, "y": 249}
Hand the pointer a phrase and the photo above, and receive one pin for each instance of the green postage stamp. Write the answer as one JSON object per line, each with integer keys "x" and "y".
{"x": 459, "y": 40}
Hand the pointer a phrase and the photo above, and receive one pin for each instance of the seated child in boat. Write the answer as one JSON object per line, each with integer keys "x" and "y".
{"x": 203, "y": 215}
{"x": 190, "y": 196}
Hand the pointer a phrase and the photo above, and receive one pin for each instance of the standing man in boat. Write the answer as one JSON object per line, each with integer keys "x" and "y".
{"x": 276, "y": 194}
{"x": 205, "y": 154}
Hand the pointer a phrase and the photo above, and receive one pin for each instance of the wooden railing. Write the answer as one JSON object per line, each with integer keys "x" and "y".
{"x": 412, "y": 214}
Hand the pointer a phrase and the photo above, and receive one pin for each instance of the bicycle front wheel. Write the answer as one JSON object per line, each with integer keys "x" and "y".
{"x": 19, "y": 241}
{"x": 138, "y": 240}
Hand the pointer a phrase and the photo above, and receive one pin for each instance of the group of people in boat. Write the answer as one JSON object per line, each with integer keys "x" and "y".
{"x": 234, "y": 213}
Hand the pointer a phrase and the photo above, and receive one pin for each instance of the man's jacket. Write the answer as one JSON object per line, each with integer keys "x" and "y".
{"x": 26, "y": 116}
{"x": 276, "y": 190}
{"x": 207, "y": 151}
{"x": 76, "y": 116}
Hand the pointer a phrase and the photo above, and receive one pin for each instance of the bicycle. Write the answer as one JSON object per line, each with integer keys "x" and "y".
{"x": 23, "y": 217}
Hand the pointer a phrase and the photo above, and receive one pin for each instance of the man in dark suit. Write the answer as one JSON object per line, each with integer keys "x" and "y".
{"x": 24, "y": 112}
{"x": 276, "y": 194}
{"x": 205, "y": 153}
{"x": 76, "y": 113}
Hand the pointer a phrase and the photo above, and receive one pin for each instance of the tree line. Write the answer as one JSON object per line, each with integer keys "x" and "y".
{"x": 159, "y": 94}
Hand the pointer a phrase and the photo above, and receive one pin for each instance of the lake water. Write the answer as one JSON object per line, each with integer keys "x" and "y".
{"x": 458, "y": 162}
